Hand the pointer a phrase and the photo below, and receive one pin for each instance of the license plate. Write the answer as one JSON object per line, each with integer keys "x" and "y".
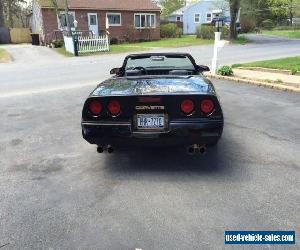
{"x": 152, "y": 121}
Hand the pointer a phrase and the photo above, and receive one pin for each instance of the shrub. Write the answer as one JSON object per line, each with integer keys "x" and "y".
{"x": 130, "y": 34}
{"x": 294, "y": 71}
{"x": 248, "y": 25}
{"x": 268, "y": 24}
{"x": 205, "y": 32}
{"x": 170, "y": 30}
{"x": 225, "y": 32}
{"x": 208, "y": 32}
{"x": 58, "y": 43}
{"x": 114, "y": 40}
{"x": 225, "y": 71}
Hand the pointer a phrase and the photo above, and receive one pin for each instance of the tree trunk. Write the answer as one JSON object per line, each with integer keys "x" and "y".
{"x": 291, "y": 11}
{"x": 10, "y": 14}
{"x": 234, "y": 10}
{"x": 2, "y": 24}
{"x": 67, "y": 17}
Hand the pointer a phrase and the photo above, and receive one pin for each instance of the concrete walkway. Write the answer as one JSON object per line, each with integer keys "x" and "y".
{"x": 293, "y": 80}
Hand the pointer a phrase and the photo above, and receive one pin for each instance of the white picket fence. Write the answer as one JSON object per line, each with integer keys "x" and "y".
{"x": 87, "y": 44}
{"x": 93, "y": 44}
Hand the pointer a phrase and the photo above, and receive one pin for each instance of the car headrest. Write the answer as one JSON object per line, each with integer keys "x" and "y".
{"x": 133, "y": 72}
{"x": 179, "y": 72}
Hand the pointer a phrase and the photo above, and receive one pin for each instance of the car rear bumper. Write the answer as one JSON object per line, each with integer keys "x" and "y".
{"x": 179, "y": 133}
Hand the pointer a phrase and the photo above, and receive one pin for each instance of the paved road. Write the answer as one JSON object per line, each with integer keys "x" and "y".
{"x": 39, "y": 68}
{"x": 57, "y": 192}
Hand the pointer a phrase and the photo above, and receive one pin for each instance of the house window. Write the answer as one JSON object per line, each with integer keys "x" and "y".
{"x": 208, "y": 17}
{"x": 197, "y": 18}
{"x": 114, "y": 19}
{"x": 142, "y": 21}
{"x": 63, "y": 19}
{"x": 178, "y": 18}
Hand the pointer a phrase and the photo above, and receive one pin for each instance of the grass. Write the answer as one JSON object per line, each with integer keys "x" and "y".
{"x": 242, "y": 40}
{"x": 4, "y": 56}
{"x": 63, "y": 52}
{"x": 290, "y": 63}
{"x": 184, "y": 41}
{"x": 283, "y": 33}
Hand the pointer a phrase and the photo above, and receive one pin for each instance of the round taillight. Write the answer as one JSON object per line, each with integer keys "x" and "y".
{"x": 114, "y": 108}
{"x": 207, "y": 106}
{"x": 187, "y": 107}
{"x": 95, "y": 107}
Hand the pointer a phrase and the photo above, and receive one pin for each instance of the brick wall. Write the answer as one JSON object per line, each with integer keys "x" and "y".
{"x": 50, "y": 24}
{"x": 119, "y": 32}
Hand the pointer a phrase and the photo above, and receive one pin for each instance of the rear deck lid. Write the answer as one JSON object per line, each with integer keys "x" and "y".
{"x": 167, "y": 85}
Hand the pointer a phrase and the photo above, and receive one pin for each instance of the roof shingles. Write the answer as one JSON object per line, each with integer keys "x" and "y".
{"x": 136, "y": 5}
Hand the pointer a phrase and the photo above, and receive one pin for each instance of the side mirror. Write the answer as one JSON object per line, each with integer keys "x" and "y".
{"x": 202, "y": 68}
{"x": 115, "y": 71}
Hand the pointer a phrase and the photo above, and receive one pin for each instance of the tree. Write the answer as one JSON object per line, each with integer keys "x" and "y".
{"x": 12, "y": 10}
{"x": 169, "y": 6}
{"x": 2, "y": 23}
{"x": 234, "y": 11}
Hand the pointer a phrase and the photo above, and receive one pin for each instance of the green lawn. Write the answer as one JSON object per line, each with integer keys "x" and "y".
{"x": 283, "y": 33}
{"x": 4, "y": 56}
{"x": 184, "y": 41}
{"x": 290, "y": 63}
{"x": 242, "y": 40}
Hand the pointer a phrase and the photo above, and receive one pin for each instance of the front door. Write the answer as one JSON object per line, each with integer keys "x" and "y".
{"x": 93, "y": 23}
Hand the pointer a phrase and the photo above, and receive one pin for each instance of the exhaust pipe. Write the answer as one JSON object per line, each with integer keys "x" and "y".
{"x": 110, "y": 149}
{"x": 202, "y": 149}
{"x": 191, "y": 150}
{"x": 100, "y": 149}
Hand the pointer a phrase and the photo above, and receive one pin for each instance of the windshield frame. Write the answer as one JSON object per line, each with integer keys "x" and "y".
{"x": 168, "y": 55}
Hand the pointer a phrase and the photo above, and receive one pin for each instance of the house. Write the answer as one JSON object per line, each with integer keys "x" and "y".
{"x": 177, "y": 16}
{"x": 201, "y": 12}
{"x": 139, "y": 19}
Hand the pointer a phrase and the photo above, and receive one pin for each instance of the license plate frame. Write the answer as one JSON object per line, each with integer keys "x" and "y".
{"x": 159, "y": 126}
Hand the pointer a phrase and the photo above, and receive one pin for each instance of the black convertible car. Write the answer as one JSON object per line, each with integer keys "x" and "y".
{"x": 156, "y": 99}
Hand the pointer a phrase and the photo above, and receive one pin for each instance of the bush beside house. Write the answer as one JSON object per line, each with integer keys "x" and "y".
{"x": 208, "y": 32}
{"x": 170, "y": 30}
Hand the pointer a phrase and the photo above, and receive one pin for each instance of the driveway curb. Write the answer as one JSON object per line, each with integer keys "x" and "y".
{"x": 257, "y": 83}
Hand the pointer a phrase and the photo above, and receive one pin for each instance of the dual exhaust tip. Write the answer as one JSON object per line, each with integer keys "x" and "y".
{"x": 108, "y": 148}
{"x": 193, "y": 149}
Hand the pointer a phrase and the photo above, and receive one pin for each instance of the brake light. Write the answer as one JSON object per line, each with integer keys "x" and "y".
{"x": 207, "y": 106}
{"x": 187, "y": 106}
{"x": 114, "y": 108}
{"x": 95, "y": 107}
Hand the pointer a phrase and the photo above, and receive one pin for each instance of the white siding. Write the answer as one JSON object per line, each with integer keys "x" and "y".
{"x": 37, "y": 25}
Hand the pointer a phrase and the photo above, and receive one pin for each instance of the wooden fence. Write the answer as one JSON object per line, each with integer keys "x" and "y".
{"x": 20, "y": 35}
{"x": 87, "y": 44}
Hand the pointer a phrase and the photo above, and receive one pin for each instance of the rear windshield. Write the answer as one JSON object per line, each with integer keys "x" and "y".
{"x": 160, "y": 62}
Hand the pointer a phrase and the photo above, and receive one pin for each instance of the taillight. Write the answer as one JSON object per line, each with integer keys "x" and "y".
{"x": 114, "y": 108}
{"x": 207, "y": 106}
{"x": 95, "y": 108}
{"x": 187, "y": 107}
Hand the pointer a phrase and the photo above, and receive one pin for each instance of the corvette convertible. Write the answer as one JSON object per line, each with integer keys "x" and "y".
{"x": 154, "y": 100}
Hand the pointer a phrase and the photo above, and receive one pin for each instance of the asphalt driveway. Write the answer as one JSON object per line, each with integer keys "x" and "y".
{"x": 58, "y": 193}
